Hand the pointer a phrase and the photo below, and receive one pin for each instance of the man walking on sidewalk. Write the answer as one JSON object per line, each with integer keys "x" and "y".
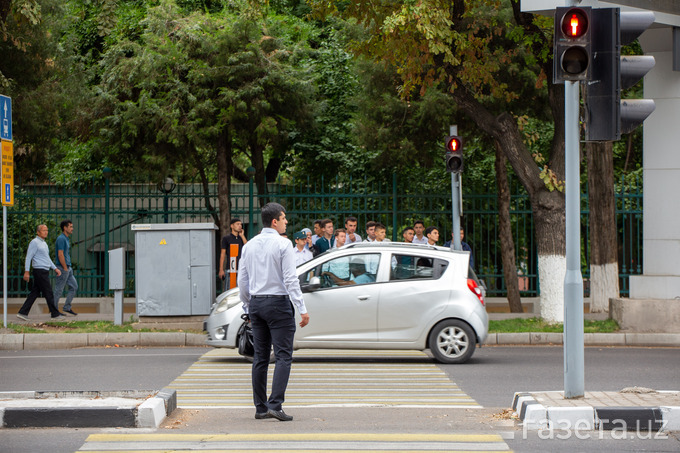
{"x": 269, "y": 288}
{"x": 39, "y": 255}
{"x": 63, "y": 247}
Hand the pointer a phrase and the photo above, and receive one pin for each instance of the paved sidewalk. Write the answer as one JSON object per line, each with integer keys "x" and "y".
{"x": 633, "y": 409}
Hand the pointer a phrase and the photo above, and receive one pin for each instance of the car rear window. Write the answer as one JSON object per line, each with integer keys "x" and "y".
{"x": 409, "y": 267}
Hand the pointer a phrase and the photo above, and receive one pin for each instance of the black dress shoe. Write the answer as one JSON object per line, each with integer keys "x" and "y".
{"x": 261, "y": 415}
{"x": 279, "y": 415}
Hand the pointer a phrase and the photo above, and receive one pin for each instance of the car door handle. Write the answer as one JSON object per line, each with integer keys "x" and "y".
{"x": 366, "y": 297}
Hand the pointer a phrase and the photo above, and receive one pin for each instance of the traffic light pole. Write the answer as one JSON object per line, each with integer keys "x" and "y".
{"x": 574, "y": 374}
{"x": 455, "y": 202}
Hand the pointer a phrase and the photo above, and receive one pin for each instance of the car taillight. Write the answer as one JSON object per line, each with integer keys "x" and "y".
{"x": 476, "y": 289}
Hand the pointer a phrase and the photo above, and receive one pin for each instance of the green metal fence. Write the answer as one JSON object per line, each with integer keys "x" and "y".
{"x": 102, "y": 213}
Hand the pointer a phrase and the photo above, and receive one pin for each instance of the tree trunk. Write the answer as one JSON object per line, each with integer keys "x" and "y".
{"x": 224, "y": 172}
{"x": 548, "y": 206}
{"x": 507, "y": 243}
{"x": 604, "y": 266}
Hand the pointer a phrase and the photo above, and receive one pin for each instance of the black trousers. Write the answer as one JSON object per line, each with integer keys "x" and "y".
{"x": 273, "y": 323}
{"x": 41, "y": 286}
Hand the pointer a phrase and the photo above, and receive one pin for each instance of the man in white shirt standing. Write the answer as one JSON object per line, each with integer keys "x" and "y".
{"x": 269, "y": 289}
{"x": 419, "y": 228}
{"x": 351, "y": 230}
{"x": 302, "y": 253}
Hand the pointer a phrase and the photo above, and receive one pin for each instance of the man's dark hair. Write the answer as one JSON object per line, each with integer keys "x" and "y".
{"x": 405, "y": 230}
{"x": 418, "y": 222}
{"x": 65, "y": 223}
{"x": 325, "y": 222}
{"x": 339, "y": 230}
{"x": 350, "y": 219}
{"x": 234, "y": 220}
{"x": 370, "y": 224}
{"x": 380, "y": 226}
{"x": 317, "y": 222}
{"x": 271, "y": 212}
{"x": 430, "y": 230}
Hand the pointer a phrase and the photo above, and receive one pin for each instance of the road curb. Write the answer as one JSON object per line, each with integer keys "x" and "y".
{"x": 26, "y": 341}
{"x": 589, "y": 339}
{"x": 87, "y": 409}
{"x": 536, "y": 416}
{"x": 20, "y": 341}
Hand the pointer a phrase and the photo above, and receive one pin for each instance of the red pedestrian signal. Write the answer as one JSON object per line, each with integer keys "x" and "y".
{"x": 454, "y": 154}
{"x": 575, "y": 23}
{"x": 572, "y": 46}
{"x": 453, "y": 144}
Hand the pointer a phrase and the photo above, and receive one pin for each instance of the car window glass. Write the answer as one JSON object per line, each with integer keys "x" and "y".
{"x": 349, "y": 270}
{"x": 407, "y": 267}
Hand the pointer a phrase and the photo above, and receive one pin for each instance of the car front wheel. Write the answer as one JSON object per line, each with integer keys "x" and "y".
{"x": 452, "y": 341}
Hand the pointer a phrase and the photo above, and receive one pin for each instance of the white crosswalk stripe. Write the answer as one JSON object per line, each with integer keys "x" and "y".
{"x": 295, "y": 442}
{"x": 221, "y": 378}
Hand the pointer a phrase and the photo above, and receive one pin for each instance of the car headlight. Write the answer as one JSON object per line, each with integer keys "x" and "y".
{"x": 225, "y": 304}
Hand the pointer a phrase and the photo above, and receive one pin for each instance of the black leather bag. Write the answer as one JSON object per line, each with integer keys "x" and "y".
{"x": 245, "y": 340}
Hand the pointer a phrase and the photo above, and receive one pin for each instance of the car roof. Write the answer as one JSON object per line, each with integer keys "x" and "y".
{"x": 404, "y": 247}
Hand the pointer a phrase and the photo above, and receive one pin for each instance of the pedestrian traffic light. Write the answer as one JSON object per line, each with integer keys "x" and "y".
{"x": 454, "y": 154}
{"x": 607, "y": 116}
{"x": 571, "y": 58}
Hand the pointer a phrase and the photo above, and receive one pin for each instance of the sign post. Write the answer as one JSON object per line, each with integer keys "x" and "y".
{"x": 6, "y": 187}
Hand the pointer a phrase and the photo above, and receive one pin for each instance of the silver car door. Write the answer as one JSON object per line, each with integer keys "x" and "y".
{"x": 344, "y": 312}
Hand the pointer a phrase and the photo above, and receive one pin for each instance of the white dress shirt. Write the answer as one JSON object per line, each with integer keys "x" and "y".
{"x": 420, "y": 241}
{"x": 357, "y": 238}
{"x": 302, "y": 256}
{"x": 267, "y": 268}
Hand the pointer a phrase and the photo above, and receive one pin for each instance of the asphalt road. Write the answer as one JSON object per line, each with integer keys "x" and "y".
{"x": 491, "y": 378}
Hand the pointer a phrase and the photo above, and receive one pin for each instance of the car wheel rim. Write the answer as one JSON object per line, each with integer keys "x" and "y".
{"x": 452, "y": 342}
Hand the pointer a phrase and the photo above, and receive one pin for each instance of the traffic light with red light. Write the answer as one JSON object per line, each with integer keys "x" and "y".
{"x": 454, "y": 154}
{"x": 572, "y": 53}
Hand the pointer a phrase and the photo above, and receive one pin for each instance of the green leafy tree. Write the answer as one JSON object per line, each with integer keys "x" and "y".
{"x": 204, "y": 87}
{"x": 482, "y": 53}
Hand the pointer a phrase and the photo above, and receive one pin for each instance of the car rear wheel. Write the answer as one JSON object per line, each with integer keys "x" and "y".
{"x": 452, "y": 341}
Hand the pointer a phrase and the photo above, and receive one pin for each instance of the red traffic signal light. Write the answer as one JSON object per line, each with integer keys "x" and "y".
{"x": 454, "y": 154}
{"x": 453, "y": 144}
{"x": 572, "y": 47}
{"x": 575, "y": 23}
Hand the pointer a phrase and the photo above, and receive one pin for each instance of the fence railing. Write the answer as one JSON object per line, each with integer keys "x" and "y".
{"x": 103, "y": 212}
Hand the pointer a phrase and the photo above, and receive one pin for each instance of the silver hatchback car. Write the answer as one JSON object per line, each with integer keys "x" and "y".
{"x": 387, "y": 296}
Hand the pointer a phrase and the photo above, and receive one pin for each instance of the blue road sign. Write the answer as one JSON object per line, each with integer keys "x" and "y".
{"x": 8, "y": 193}
{"x": 5, "y": 118}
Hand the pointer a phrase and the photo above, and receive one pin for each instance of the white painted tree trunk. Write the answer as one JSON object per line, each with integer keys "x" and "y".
{"x": 551, "y": 271}
{"x": 604, "y": 285}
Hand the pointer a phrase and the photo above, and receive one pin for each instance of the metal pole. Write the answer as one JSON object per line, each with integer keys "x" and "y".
{"x": 106, "y": 236}
{"x": 4, "y": 266}
{"x": 165, "y": 207}
{"x": 455, "y": 202}
{"x": 394, "y": 207}
{"x": 574, "y": 374}
{"x": 251, "y": 227}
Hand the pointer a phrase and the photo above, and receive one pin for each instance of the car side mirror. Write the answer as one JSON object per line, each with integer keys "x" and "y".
{"x": 313, "y": 285}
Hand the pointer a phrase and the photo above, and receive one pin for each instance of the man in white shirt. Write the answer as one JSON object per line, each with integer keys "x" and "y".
{"x": 302, "y": 253}
{"x": 419, "y": 228}
{"x": 340, "y": 238}
{"x": 351, "y": 230}
{"x": 269, "y": 288}
{"x": 370, "y": 231}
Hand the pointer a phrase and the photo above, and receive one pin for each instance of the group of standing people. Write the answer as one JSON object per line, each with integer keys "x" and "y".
{"x": 308, "y": 244}
{"x": 38, "y": 258}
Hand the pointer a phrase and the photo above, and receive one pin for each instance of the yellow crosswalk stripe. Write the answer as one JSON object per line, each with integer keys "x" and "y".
{"x": 292, "y": 442}
{"x": 323, "y": 378}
